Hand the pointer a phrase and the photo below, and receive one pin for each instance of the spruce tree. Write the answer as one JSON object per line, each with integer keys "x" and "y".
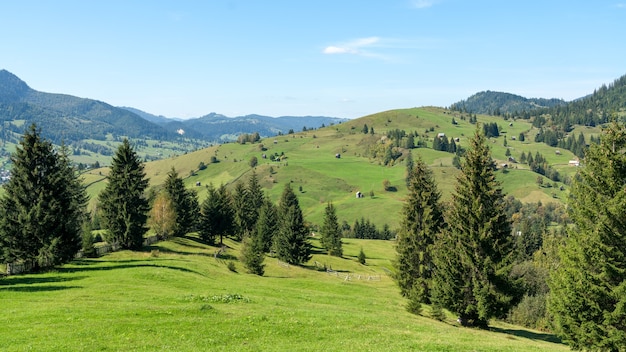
{"x": 588, "y": 289}
{"x": 291, "y": 242}
{"x": 330, "y": 232}
{"x": 410, "y": 166}
{"x": 473, "y": 256}
{"x": 184, "y": 203}
{"x": 267, "y": 225}
{"x": 243, "y": 211}
{"x": 43, "y": 205}
{"x": 123, "y": 202}
{"x": 252, "y": 255}
{"x": 422, "y": 220}
{"x": 216, "y": 215}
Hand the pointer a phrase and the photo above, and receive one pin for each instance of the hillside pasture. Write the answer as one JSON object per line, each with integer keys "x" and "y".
{"x": 175, "y": 295}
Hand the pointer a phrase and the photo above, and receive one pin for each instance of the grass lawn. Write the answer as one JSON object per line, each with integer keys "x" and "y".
{"x": 176, "y": 296}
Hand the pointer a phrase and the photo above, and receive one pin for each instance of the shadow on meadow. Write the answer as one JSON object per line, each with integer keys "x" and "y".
{"x": 34, "y": 283}
{"x": 99, "y": 265}
{"x": 528, "y": 334}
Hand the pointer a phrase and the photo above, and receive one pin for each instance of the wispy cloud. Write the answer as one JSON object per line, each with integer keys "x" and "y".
{"x": 423, "y": 4}
{"x": 354, "y": 47}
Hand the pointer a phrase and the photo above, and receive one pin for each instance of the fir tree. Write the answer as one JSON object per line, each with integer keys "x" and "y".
{"x": 244, "y": 213}
{"x": 184, "y": 203}
{"x": 474, "y": 253}
{"x": 422, "y": 219}
{"x": 256, "y": 197}
{"x": 216, "y": 215}
{"x": 267, "y": 225}
{"x": 291, "y": 243}
{"x": 330, "y": 232}
{"x": 252, "y": 255}
{"x": 43, "y": 206}
{"x": 123, "y": 204}
{"x": 588, "y": 289}
{"x": 410, "y": 165}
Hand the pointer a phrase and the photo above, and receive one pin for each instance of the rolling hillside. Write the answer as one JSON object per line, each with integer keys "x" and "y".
{"x": 308, "y": 161}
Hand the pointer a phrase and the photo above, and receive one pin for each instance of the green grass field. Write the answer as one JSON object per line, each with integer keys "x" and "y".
{"x": 176, "y": 296}
{"x": 309, "y": 164}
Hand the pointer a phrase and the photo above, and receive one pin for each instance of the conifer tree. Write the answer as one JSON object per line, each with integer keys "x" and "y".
{"x": 43, "y": 207}
{"x": 267, "y": 225}
{"x": 123, "y": 202}
{"x": 410, "y": 165}
{"x": 252, "y": 255}
{"x": 330, "y": 232}
{"x": 588, "y": 289}
{"x": 422, "y": 220}
{"x": 244, "y": 213}
{"x": 473, "y": 256}
{"x": 256, "y": 197}
{"x": 184, "y": 203}
{"x": 291, "y": 242}
{"x": 216, "y": 215}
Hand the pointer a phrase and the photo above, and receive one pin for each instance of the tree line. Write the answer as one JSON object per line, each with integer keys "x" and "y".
{"x": 485, "y": 255}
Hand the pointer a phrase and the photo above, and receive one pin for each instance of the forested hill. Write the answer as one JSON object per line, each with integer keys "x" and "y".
{"x": 68, "y": 118}
{"x": 499, "y": 103}
{"x": 220, "y": 128}
{"x": 597, "y": 108}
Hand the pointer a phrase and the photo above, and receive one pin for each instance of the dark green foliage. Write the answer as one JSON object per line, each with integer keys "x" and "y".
{"x": 330, "y": 232}
{"x": 244, "y": 212}
{"x": 216, "y": 215}
{"x": 521, "y": 137}
{"x": 123, "y": 203}
{"x": 87, "y": 241}
{"x": 473, "y": 255}
{"x": 185, "y": 203}
{"x": 267, "y": 225}
{"x": 291, "y": 242}
{"x": 254, "y": 161}
{"x": 252, "y": 255}
{"x": 498, "y": 103}
{"x": 410, "y": 164}
{"x": 588, "y": 289}
{"x": 367, "y": 230}
{"x": 361, "y": 257}
{"x": 491, "y": 129}
{"x": 43, "y": 207}
{"x": 422, "y": 220}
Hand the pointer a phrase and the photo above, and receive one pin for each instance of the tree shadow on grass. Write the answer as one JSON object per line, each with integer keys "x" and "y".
{"x": 46, "y": 288}
{"x": 528, "y": 334}
{"x": 32, "y": 283}
{"x": 128, "y": 264}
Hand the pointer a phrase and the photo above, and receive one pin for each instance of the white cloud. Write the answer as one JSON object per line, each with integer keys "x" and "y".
{"x": 354, "y": 47}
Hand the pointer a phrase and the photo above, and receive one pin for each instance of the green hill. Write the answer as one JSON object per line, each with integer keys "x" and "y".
{"x": 308, "y": 161}
{"x": 175, "y": 295}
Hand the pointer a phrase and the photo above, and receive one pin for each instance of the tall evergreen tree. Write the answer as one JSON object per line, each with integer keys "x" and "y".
{"x": 43, "y": 206}
{"x": 473, "y": 256}
{"x": 245, "y": 215}
{"x": 291, "y": 242}
{"x": 588, "y": 289}
{"x": 410, "y": 166}
{"x": 256, "y": 197}
{"x": 422, "y": 220}
{"x": 184, "y": 202}
{"x": 267, "y": 225}
{"x": 252, "y": 255}
{"x": 331, "y": 232}
{"x": 123, "y": 202}
{"x": 216, "y": 215}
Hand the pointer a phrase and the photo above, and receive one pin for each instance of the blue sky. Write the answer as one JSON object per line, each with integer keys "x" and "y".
{"x": 338, "y": 58}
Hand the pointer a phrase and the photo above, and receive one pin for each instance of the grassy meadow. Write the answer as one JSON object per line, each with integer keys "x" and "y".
{"x": 308, "y": 163}
{"x": 176, "y": 296}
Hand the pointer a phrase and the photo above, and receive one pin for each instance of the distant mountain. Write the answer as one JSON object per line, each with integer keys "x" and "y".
{"x": 68, "y": 118}
{"x": 498, "y": 103}
{"x": 220, "y": 128}
{"x": 71, "y": 119}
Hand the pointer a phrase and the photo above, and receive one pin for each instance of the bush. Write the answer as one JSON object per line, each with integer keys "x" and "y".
{"x": 231, "y": 266}
{"x": 361, "y": 256}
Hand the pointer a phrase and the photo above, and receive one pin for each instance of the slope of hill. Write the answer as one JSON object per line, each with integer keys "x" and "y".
{"x": 177, "y": 295}
{"x": 308, "y": 161}
{"x": 498, "y": 103}
{"x": 68, "y": 118}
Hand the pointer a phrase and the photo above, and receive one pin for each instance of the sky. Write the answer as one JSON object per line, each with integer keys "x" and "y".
{"x": 339, "y": 58}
